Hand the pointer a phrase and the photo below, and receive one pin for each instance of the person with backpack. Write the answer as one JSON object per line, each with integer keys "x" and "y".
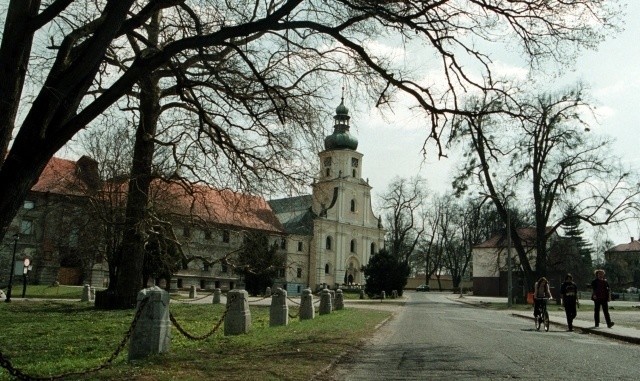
{"x": 541, "y": 292}
{"x": 601, "y": 296}
{"x": 569, "y": 298}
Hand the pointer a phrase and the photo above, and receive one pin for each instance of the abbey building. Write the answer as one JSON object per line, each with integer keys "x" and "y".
{"x": 326, "y": 236}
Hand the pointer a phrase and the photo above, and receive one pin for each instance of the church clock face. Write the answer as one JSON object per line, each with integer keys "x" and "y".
{"x": 354, "y": 162}
{"x": 327, "y": 161}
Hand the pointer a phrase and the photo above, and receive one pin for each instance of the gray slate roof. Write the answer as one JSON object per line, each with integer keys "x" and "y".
{"x": 295, "y": 214}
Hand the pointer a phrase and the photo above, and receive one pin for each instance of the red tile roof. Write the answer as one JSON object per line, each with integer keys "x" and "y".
{"x": 200, "y": 202}
{"x": 210, "y": 205}
{"x": 60, "y": 176}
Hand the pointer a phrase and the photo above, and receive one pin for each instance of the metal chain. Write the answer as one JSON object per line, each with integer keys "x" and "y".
{"x": 293, "y": 301}
{"x": 259, "y": 300}
{"x": 193, "y": 300}
{"x": 20, "y": 375}
{"x": 190, "y": 336}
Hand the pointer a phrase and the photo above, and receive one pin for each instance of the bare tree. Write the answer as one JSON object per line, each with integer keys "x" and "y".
{"x": 404, "y": 202}
{"x": 549, "y": 160}
{"x": 286, "y": 50}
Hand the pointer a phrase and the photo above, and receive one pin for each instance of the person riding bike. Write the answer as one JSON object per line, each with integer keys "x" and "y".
{"x": 541, "y": 292}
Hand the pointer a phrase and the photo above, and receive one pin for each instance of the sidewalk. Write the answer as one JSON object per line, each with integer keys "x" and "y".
{"x": 622, "y": 330}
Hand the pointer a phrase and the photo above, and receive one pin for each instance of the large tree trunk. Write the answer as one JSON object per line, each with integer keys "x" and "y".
{"x": 17, "y": 39}
{"x": 130, "y": 264}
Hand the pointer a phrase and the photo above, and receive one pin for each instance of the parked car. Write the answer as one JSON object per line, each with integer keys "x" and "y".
{"x": 423, "y": 287}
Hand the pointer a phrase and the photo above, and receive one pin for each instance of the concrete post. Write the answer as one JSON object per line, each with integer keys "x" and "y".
{"x": 325, "y": 302}
{"x": 279, "y": 310}
{"x": 216, "y": 296}
{"x": 238, "y": 318}
{"x": 384, "y": 295}
{"x": 86, "y": 293}
{"x": 192, "y": 292}
{"x": 361, "y": 294}
{"x": 333, "y": 299}
{"x": 152, "y": 333}
{"x": 339, "y": 299}
{"x": 267, "y": 292}
{"x": 394, "y": 294}
{"x": 306, "y": 305}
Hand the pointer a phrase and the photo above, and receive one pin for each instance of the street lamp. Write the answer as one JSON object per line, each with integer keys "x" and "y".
{"x": 12, "y": 267}
{"x": 509, "y": 274}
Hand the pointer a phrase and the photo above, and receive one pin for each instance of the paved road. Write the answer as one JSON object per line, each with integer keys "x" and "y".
{"x": 435, "y": 338}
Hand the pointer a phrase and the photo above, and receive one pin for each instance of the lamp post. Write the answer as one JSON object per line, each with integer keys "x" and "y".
{"x": 12, "y": 267}
{"x": 509, "y": 274}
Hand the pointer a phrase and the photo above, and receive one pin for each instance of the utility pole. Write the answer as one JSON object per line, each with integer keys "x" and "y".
{"x": 509, "y": 265}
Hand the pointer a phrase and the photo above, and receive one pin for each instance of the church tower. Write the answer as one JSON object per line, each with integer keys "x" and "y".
{"x": 346, "y": 232}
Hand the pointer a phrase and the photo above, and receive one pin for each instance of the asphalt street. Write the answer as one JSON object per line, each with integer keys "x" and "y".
{"x": 436, "y": 336}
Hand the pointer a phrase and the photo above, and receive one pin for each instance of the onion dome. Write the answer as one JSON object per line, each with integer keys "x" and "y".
{"x": 341, "y": 138}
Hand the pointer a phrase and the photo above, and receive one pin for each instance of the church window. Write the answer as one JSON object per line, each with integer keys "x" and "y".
{"x": 28, "y": 204}
{"x": 328, "y": 172}
{"x": 373, "y": 248}
{"x": 225, "y": 236}
{"x": 328, "y": 243}
{"x": 353, "y": 205}
{"x": 300, "y": 246}
{"x": 353, "y": 245}
{"x": 353, "y": 173}
{"x": 283, "y": 243}
{"x": 299, "y": 272}
{"x": 327, "y": 269}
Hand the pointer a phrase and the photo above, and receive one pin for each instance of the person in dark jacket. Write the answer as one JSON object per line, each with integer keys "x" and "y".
{"x": 569, "y": 297}
{"x": 601, "y": 295}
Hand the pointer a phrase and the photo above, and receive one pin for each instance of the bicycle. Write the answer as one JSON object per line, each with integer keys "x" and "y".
{"x": 543, "y": 318}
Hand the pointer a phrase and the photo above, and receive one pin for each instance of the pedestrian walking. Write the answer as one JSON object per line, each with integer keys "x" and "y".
{"x": 569, "y": 298}
{"x": 601, "y": 295}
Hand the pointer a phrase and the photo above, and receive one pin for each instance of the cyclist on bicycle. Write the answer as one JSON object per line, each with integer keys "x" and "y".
{"x": 541, "y": 291}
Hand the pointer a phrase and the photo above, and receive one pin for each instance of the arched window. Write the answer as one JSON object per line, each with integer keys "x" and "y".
{"x": 328, "y": 243}
{"x": 353, "y": 245}
{"x": 326, "y": 268}
{"x": 353, "y": 205}
{"x": 373, "y": 248}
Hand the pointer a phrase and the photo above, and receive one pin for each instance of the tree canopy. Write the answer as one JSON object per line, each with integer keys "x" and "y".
{"x": 260, "y": 59}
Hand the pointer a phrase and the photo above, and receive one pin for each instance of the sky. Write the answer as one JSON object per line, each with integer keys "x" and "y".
{"x": 393, "y": 148}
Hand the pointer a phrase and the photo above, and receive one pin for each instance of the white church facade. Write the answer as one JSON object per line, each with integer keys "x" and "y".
{"x": 333, "y": 232}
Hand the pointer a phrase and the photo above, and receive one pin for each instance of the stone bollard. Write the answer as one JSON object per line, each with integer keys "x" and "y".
{"x": 325, "y": 302}
{"x": 306, "y": 305}
{"x": 3, "y": 296}
{"x": 152, "y": 332}
{"x": 86, "y": 293}
{"x": 394, "y": 294}
{"x": 333, "y": 299}
{"x": 267, "y": 292}
{"x": 339, "y": 299}
{"x": 216, "y": 296}
{"x": 192, "y": 292}
{"x": 279, "y": 310}
{"x": 361, "y": 294}
{"x": 238, "y": 318}
{"x": 384, "y": 295}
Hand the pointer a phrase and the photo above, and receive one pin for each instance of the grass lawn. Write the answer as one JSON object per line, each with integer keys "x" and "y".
{"x": 46, "y": 338}
{"x": 46, "y": 292}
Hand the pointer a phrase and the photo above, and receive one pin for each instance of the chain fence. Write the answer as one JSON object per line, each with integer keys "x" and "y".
{"x": 194, "y": 299}
{"x": 206, "y": 335}
{"x": 20, "y": 375}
